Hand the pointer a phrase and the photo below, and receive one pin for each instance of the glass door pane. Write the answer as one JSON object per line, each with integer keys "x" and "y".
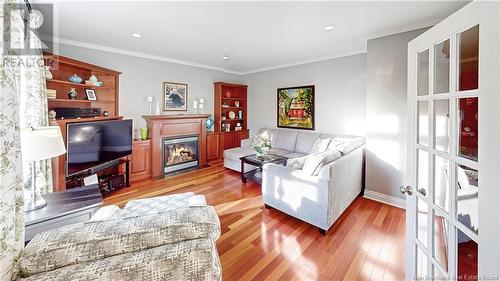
{"x": 441, "y": 125}
{"x": 441, "y": 183}
{"x": 466, "y": 257}
{"x": 422, "y": 219}
{"x": 423, "y": 122}
{"x": 468, "y": 126}
{"x": 441, "y": 245}
{"x": 442, "y": 67}
{"x": 467, "y": 197}
{"x": 423, "y": 73}
{"x": 468, "y": 59}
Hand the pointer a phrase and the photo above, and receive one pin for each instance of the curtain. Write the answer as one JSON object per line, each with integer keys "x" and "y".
{"x": 34, "y": 113}
{"x": 11, "y": 188}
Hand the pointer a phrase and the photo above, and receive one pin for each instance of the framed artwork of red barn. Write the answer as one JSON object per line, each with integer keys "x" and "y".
{"x": 295, "y": 107}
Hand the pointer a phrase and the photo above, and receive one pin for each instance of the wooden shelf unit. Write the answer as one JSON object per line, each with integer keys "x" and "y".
{"x": 107, "y": 99}
{"x": 62, "y": 68}
{"x": 227, "y": 94}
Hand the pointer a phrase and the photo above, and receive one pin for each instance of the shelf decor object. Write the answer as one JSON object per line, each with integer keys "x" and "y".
{"x": 75, "y": 79}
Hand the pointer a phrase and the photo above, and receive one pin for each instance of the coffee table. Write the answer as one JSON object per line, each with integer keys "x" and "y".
{"x": 256, "y": 175}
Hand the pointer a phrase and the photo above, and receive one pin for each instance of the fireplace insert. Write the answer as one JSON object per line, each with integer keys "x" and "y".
{"x": 180, "y": 153}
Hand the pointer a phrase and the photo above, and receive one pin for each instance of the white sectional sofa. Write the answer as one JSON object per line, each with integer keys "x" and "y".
{"x": 317, "y": 190}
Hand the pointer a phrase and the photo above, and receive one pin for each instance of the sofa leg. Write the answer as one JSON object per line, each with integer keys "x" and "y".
{"x": 267, "y": 206}
{"x": 322, "y": 231}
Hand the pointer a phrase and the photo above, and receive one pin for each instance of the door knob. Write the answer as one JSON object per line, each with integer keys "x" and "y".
{"x": 406, "y": 189}
{"x": 422, "y": 191}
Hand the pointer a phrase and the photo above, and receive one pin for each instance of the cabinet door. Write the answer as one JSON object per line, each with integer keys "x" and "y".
{"x": 141, "y": 161}
{"x": 229, "y": 140}
{"x": 213, "y": 145}
{"x": 240, "y": 136}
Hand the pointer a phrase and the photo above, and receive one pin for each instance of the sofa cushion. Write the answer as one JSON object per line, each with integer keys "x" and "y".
{"x": 280, "y": 152}
{"x": 315, "y": 162}
{"x": 238, "y": 152}
{"x": 297, "y": 163}
{"x": 286, "y": 140}
{"x": 320, "y": 145}
{"x": 295, "y": 155}
{"x": 346, "y": 144}
{"x": 305, "y": 142}
{"x": 96, "y": 240}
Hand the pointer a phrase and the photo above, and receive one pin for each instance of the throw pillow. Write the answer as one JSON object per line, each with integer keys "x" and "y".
{"x": 314, "y": 163}
{"x": 320, "y": 145}
{"x": 297, "y": 163}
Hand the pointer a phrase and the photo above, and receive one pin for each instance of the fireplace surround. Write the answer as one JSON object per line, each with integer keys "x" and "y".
{"x": 163, "y": 126}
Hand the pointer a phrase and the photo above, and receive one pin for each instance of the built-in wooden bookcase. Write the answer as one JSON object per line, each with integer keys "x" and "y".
{"x": 107, "y": 99}
{"x": 228, "y": 98}
{"x": 62, "y": 68}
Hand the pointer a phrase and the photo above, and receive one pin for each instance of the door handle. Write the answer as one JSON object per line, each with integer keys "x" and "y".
{"x": 406, "y": 189}
{"x": 422, "y": 191}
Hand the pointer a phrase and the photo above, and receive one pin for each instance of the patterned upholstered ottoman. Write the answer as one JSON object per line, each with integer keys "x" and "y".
{"x": 163, "y": 238}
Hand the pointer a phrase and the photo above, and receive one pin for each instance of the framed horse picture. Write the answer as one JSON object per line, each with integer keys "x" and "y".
{"x": 175, "y": 96}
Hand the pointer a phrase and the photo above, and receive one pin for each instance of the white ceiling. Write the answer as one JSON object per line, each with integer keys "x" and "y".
{"x": 255, "y": 35}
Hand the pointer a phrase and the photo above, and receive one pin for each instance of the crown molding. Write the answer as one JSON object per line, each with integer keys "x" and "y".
{"x": 75, "y": 43}
{"x": 313, "y": 60}
{"x": 60, "y": 40}
{"x": 404, "y": 28}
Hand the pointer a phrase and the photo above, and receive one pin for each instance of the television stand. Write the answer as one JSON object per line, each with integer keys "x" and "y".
{"x": 111, "y": 177}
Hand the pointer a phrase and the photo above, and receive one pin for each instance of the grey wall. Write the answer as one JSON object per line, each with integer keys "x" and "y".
{"x": 386, "y": 112}
{"x": 141, "y": 78}
{"x": 340, "y": 94}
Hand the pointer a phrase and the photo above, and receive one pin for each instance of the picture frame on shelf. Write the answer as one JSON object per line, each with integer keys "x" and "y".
{"x": 91, "y": 95}
{"x": 175, "y": 96}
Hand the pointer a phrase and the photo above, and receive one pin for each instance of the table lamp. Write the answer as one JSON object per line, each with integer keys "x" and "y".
{"x": 40, "y": 144}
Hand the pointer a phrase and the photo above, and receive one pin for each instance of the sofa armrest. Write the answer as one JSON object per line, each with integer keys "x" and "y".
{"x": 100, "y": 239}
{"x": 246, "y": 142}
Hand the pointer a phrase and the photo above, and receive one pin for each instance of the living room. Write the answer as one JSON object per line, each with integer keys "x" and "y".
{"x": 250, "y": 140}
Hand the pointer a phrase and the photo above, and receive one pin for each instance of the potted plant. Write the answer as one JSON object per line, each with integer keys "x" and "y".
{"x": 261, "y": 144}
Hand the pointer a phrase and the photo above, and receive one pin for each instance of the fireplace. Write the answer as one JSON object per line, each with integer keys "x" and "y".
{"x": 180, "y": 153}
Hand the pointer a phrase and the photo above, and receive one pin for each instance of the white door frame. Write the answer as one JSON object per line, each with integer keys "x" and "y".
{"x": 487, "y": 15}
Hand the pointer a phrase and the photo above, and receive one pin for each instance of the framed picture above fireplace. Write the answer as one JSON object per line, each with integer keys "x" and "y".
{"x": 295, "y": 108}
{"x": 175, "y": 96}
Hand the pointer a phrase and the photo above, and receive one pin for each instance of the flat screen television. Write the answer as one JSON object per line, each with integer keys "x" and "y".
{"x": 93, "y": 146}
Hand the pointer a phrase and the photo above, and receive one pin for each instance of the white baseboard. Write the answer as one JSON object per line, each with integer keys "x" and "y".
{"x": 384, "y": 198}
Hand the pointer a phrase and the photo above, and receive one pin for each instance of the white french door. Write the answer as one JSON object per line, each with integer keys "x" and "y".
{"x": 453, "y": 197}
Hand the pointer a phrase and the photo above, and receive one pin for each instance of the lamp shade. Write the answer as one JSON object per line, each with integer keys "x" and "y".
{"x": 42, "y": 143}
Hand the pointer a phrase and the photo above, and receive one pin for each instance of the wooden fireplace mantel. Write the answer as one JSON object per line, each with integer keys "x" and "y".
{"x": 179, "y": 125}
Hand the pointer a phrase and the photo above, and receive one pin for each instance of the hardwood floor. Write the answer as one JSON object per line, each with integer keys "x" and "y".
{"x": 366, "y": 242}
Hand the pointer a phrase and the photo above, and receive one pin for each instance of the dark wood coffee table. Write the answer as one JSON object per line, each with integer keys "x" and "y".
{"x": 256, "y": 175}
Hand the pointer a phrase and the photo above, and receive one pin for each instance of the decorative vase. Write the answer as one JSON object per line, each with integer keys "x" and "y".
{"x": 210, "y": 122}
{"x": 48, "y": 74}
{"x": 75, "y": 79}
{"x": 72, "y": 94}
{"x": 144, "y": 133}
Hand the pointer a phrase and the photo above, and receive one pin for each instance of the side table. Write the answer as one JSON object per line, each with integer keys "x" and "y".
{"x": 74, "y": 205}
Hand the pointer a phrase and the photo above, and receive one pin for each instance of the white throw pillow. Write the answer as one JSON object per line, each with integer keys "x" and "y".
{"x": 314, "y": 163}
{"x": 320, "y": 145}
{"x": 297, "y": 163}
